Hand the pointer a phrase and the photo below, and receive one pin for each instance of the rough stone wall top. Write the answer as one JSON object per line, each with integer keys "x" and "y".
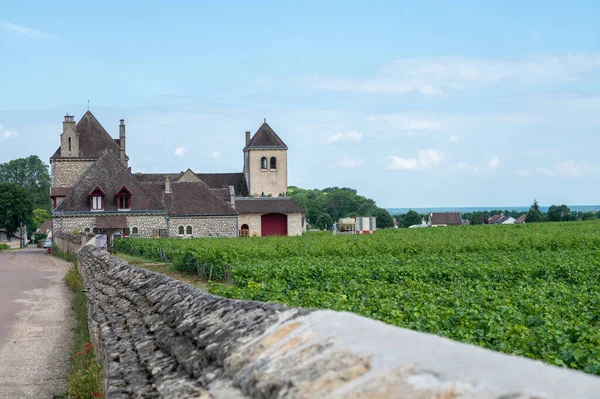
{"x": 163, "y": 338}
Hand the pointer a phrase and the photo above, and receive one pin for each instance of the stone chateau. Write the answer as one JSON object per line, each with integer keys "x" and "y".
{"x": 93, "y": 189}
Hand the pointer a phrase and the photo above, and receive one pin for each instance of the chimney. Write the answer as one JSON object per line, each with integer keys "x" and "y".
{"x": 122, "y": 142}
{"x": 247, "y": 137}
{"x": 69, "y": 122}
{"x": 232, "y": 196}
{"x": 167, "y": 186}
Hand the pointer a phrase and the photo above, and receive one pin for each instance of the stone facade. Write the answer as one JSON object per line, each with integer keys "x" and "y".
{"x": 253, "y": 220}
{"x": 205, "y": 226}
{"x": 266, "y": 181}
{"x": 68, "y": 224}
{"x": 148, "y": 225}
{"x": 66, "y": 172}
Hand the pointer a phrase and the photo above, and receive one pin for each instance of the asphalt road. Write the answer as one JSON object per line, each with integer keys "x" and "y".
{"x": 35, "y": 324}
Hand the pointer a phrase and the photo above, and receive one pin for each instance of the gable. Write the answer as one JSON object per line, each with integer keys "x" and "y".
{"x": 108, "y": 174}
{"x": 188, "y": 176}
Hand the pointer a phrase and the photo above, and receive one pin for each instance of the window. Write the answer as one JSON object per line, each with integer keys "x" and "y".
{"x": 126, "y": 232}
{"x": 263, "y": 163}
{"x": 95, "y": 230}
{"x": 188, "y": 230}
{"x": 134, "y": 230}
{"x": 96, "y": 199}
{"x": 69, "y": 144}
{"x": 245, "y": 231}
{"x": 181, "y": 230}
{"x": 273, "y": 163}
{"x": 123, "y": 199}
{"x": 86, "y": 230}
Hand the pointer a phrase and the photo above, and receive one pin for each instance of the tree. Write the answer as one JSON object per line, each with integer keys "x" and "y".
{"x": 411, "y": 218}
{"x": 324, "y": 222}
{"x": 560, "y": 213}
{"x": 384, "y": 219}
{"x": 589, "y": 216}
{"x": 535, "y": 214}
{"x": 15, "y": 207}
{"x": 31, "y": 174}
{"x": 477, "y": 218}
{"x": 40, "y": 216}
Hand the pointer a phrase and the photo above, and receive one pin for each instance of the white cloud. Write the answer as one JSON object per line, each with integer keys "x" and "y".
{"x": 7, "y": 134}
{"x": 426, "y": 159}
{"x": 544, "y": 171}
{"x": 214, "y": 155}
{"x": 351, "y": 136}
{"x": 453, "y": 139}
{"x": 180, "y": 151}
{"x": 348, "y": 162}
{"x": 573, "y": 168}
{"x": 437, "y": 75}
{"x": 31, "y": 33}
{"x": 494, "y": 163}
{"x": 523, "y": 173}
{"x": 463, "y": 166}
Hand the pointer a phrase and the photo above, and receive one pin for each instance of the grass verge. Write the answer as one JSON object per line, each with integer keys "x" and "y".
{"x": 166, "y": 269}
{"x": 86, "y": 375}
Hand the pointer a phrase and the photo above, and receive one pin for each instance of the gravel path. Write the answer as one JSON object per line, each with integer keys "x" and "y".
{"x": 35, "y": 324}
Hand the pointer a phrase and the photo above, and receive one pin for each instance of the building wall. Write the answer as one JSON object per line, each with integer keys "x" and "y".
{"x": 253, "y": 220}
{"x": 204, "y": 226}
{"x": 148, "y": 225}
{"x": 66, "y": 172}
{"x": 273, "y": 182}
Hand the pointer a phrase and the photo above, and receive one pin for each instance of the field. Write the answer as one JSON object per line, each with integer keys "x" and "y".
{"x": 531, "y": 290}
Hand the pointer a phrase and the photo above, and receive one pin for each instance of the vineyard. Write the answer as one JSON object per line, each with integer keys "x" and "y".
{"x": 531, "y": 290}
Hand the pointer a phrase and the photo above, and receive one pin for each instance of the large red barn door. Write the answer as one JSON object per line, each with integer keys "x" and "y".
{"x": 273, "y": 224}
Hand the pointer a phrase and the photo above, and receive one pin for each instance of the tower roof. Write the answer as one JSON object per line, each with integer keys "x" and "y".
{"x": 265, "y": 137}
{"x": 93, "y": 138}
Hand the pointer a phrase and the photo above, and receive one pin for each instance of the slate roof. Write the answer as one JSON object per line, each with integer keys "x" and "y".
{"x": 93, "y": 138}
{"x": 110, "y": 175}
{"x": 190, "y": 198}
{"x": 223, "y": 193}
{"x": 447, "y": 218}
{"x": 157, "y": 177}
{"x": 267, "y": 205}
{"x": 265, "y": 137}
{"x": 221, "y": 180}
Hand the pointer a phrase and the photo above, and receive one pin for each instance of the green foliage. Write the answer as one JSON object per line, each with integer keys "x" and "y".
{"x": 411, "y": 218}
{"x": 15, "y": 207}
{"x": 337, "y": 203}
{"x": 4, "y": 247}
{"x": 31, "y": 174}
{"x": 40, "y": 216}
{"x": 560, "y": 213}
{"x": 530, "y": 290}
{"x": 535, "y": 214}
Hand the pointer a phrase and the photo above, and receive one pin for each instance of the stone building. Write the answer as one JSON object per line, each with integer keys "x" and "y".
{"x": 93, "y": 189}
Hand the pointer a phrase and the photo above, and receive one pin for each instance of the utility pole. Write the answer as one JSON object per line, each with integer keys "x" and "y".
{"x": 21, "y": 234}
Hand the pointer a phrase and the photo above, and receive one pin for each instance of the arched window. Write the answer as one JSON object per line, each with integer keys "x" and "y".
{"x": 86, "y": 230}
{"x": 273, "y": 163}
{"x": 95, "y": 230}
{"x": 244, "y": 231}
{"x": 263, "y": 163}
{"x": 134, "y": 230}
{"x": 181, "y": 230}
{"x": 188, "y": 230}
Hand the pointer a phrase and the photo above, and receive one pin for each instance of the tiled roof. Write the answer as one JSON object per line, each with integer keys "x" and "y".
{"x": 265, "y": 137}
{"x": 109, "y": 175}
{"x": 521, "y": 219}
{"x": 190, "y": 198}
{"x": 494, "y": 219}
{"x": 93, "y": 138}
{"x": 157, "y": 177}
{"x": 447, "y": 218}
{"x": 221, "y": 180}
{"x": 267, "y": 205}
{"x": 60, "y": 191}
{"x": 222, "y": 192}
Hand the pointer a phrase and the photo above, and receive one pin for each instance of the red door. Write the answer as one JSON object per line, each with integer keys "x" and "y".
{"x": 273, "y": 224}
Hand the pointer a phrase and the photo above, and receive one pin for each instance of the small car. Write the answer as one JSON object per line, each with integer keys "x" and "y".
{"x": 48, "y": 243}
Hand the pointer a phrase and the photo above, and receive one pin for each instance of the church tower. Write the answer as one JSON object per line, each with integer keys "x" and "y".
{"x": 265, "y": 163}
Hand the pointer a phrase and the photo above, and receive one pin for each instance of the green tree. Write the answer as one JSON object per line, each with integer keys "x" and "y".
{"x": 384, "y": 219}
{"x": 324, "y": 222}
{"x": 560, "y": 213}
{"x": 589, "y": 216}
{"x": 477, "y": 218}
{"x": 15, "y": 207}
{"x": 40, "y": 216}
{"x": 31, "y": 174}
{"x": 535, "y": 214}
{"x": 411, "y": 218}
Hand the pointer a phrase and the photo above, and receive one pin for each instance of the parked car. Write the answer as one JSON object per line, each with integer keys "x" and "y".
{"x": 48, "y": 243}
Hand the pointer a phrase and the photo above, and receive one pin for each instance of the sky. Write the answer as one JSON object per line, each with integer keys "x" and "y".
{"x": 412, "y": 103}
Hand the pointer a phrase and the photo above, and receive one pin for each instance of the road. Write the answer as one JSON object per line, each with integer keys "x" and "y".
{"x": 35, "y": 324}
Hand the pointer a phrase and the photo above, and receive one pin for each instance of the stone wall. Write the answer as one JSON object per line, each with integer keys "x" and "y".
{"x": 66, "y": 172}
{"x": 267, "y": 181}
{"x": 147, "y": 224}
{"x": 68, "y": 224}
{"x": 162, "y": 338}
{"x": 69, "y": 242}
{"x": 204, "y": 226}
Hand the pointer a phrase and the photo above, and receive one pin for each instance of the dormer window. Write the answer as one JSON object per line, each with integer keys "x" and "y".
{"x": 123, "y": 199}
{"x": 96, "y": 199}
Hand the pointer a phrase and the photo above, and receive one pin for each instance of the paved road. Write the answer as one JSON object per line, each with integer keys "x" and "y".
{"x": 35, "y": 324}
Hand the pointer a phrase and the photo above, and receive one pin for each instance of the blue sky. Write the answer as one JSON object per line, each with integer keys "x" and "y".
{"x": 414, "y": 104}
